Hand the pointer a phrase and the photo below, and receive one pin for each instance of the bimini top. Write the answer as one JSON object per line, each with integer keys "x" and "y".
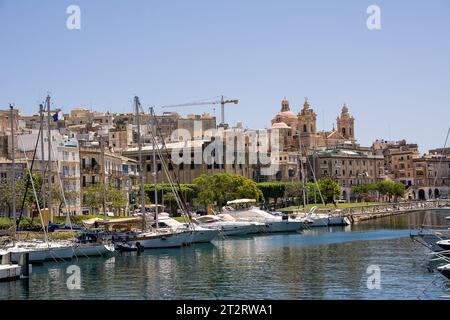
{"x": 105, "y": 222}
{"x": 238, "y": 201}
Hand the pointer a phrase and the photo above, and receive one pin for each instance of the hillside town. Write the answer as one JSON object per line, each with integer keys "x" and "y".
{"x": 91, "y": 148}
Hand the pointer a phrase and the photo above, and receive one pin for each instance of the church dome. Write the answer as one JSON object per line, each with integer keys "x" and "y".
{"x": 287, "y": 114}
{"x": 280, "y": 125}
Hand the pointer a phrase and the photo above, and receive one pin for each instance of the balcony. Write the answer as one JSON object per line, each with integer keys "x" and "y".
{"x": 91, "y": 168}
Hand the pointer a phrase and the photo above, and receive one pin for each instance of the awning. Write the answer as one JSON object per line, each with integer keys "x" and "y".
{"x": 109, "y": 222}
{"x": 238, "y": 201}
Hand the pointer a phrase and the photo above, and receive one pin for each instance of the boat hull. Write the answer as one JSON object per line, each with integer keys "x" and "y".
{"x": 169, "y": 240}
{"x": 60, "y": 253}
{"x": 319, "y": 222}
{"x": 204, "y": 235}
{"x": 338, "y": 221}
{"x": 284, "y": 226}
{"x": 34, "y": 256}
{"x": 93, "y": 250}
{"x": 445, "y": 270}
{"x": 237, "y": 230}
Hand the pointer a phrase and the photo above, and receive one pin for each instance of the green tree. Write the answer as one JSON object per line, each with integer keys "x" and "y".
{"x": 384, "y": 187}
{"x": 117, "y": 199}
{"x": 295, "y": 190}
{"x": 272, "y": 190}
{"x": 391, "y": 189}
{"x": 364, "y": 191}
{"x": 170, "y": 201}
{"x": 398, "y": 190}
{"x": 94, "y": 196}
{"x": 222, "y": 187}
{"x": 329, "y": 189}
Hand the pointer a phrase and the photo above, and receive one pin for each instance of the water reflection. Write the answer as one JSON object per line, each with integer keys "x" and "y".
{"x": 324, "y": 263}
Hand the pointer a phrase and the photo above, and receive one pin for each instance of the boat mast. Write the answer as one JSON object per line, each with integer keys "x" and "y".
{"x": 49, "y": 187}
{"x": 13, "y": 171}
{"x": 155, "y": 169}
{"x": 302, "y": 171}
{"x": 41, "y": 114}
{"x": 141, "y": 169}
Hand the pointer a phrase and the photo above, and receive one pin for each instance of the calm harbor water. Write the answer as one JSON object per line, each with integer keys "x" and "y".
{"x": 325, "y": 263}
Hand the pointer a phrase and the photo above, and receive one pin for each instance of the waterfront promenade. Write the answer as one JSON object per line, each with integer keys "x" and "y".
{"x": 362, "y": 213}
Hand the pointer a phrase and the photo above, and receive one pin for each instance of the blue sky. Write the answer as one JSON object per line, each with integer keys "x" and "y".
{"x": 396, "y": 80}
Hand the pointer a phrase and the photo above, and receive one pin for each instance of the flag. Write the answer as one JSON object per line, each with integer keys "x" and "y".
{"x": 58, "y": 116}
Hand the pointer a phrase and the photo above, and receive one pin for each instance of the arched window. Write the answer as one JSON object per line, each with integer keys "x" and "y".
{"x": 304, "y": 128}
{"x": 343, "y": 131}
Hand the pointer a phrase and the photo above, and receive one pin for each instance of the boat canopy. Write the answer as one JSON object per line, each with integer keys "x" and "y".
{"x": 239, "y": 201}
{"x": 110, "y": 222}
{"x": 208, "y": 219}
{"x": 226, "y": 217}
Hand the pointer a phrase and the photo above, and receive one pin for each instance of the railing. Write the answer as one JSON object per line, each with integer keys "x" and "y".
{"x": 394, "y": 207}
{"x": 89, "y": 168}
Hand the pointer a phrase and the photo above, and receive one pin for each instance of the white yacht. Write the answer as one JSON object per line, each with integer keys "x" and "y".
{"x": 199, "y": 234}
{"x": 323, "y": 219}
{"x": 242, "y": 209}
{"x": 338, "y": 220}
{"x": 226, "y": 227}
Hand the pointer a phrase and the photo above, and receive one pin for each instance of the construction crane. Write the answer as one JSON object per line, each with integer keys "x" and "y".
{"x": 222, "y": 103}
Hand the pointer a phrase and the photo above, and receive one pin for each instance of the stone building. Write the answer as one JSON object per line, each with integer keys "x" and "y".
{"x": 196, "y": 125}
{"x": 303, "y": 127}
{"x": 101, "y": 165}
{"x": 78, "y": 116}
{"x": 203, "y": 156}
{"x": 431, "y": 177}
{"x": 348, "y": 167}
{"x": 6, "y": 170}
{"x": 120, "y": 137}
{"x": 64, "y": 167}
{"x": 398, "y": 159}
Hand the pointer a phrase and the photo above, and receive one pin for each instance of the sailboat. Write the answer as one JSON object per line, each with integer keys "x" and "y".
{"x": 154, "y": 237}
{"x": 39, "y": 250}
